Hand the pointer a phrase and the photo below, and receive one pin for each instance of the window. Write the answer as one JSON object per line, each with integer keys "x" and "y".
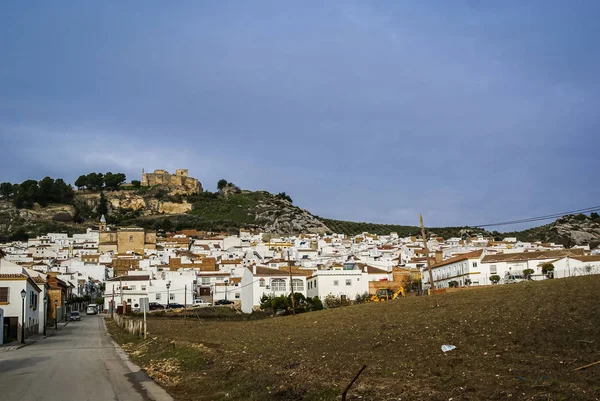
{"x": 131, "y": 238}
{"x": 278, "y": 284}
{"x": 158, "y": 296}
{"x": 348, "y": 281}
{"x": 205, "y": 280}
{"x": 474, "y": 264}
{"x": 143, "y": 288}
{"x": 237, "y": 296}
{"x": 132, "y": 287}
{"x": 261, "y": 282}
{"x": 129, "y": 300}
{"x": 172, "y": 297}
{"x": 336, "y": 283}
{"x": 304, "y": 256}
{"x": 298, "y": 284}
{"x": 4, "y": 291}
{"x": 493, "y": 269}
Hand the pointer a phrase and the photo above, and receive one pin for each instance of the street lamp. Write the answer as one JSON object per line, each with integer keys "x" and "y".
{"x": 168, "y": 299}
{"x": 45, "y": 313}
{"x": 56, "y": 314}
{"x": 23, "y": 294}
{"x": 226, "y": 282}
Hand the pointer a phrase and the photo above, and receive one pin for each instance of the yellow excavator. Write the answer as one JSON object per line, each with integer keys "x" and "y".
{"x": 387, "y": 294}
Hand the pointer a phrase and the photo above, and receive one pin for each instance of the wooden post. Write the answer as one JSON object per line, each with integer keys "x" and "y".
{"x": 145, "y": 325}
{"x": 184, "y": 304}
{"x": 291, "y": 283}
{"x": 431, "y": 283}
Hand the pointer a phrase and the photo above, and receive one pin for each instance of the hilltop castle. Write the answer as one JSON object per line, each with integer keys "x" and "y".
{"x": 180, "y": 180}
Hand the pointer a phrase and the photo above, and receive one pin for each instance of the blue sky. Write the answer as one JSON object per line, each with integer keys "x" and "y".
{"x": 467, "y": 111}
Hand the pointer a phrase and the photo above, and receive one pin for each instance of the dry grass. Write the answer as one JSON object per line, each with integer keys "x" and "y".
{"x": 518, "y": 341}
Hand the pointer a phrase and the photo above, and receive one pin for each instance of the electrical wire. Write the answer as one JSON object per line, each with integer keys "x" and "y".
{"x": 539, "y": 218}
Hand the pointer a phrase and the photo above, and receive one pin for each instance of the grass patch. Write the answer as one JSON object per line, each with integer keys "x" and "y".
{"x": 519, "y": 341}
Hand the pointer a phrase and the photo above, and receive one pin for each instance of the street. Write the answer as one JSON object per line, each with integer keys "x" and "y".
{"x": 79, "y": 362}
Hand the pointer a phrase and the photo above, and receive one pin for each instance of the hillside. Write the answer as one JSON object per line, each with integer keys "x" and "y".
{"x": 520, "y": 342}
{"x": 51, "y": 205}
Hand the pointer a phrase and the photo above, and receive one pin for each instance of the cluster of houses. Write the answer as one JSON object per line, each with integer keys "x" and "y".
{"x": 126, "y": 264}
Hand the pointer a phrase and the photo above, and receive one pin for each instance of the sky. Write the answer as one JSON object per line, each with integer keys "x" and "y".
{"x": 470, "y": 111}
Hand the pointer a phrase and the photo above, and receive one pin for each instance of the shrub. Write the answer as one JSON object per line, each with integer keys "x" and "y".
{"x": 527, "y": 273}
{"x": 136, "y": 183}
{"x": 547, "y": 267}
{"x": 331, "y": 301}
{"x": 453, "y": 284}
{"x": 362, "y": 298}
{"x": 495, "y": 278}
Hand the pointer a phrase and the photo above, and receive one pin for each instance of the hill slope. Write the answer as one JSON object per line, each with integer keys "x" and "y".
{"x": 520, "y": 341}
{"x": 232, "y": 208}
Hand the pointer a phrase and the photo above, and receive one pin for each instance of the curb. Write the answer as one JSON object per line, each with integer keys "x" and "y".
{"x": 152, "y": 389}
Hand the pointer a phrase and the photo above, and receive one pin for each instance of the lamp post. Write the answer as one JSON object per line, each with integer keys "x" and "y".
{"x": 45, "y": 313}
{"x": 23, "y": 294}
{"x": 56, "y": 314}
{"x": 226, "y": 282}
{"x": 168, "y": 299}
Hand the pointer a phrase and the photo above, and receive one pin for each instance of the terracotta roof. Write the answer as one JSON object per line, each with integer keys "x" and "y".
{"x": 587, "y": 258}
{"x": 13, "y": 276}
{"x": 39, "y": 280}
{"x": 265, "y": 271}
{"x": 130, "y": 278}
{"x": 458, "y": 258}
{"x": 518, "y": 256}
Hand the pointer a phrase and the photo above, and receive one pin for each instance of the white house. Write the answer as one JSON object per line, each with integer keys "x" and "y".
{"x": 12, "y": 288}
{"x": 339, "y": 283}
{"x": 465, "y": 269}
{"x": 257, "y": 281}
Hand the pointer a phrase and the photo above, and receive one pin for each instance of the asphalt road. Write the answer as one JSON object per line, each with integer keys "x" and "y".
{"x": 79, "y": 362}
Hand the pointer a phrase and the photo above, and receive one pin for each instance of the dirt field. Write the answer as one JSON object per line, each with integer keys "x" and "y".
{"x": 520, "y": 342}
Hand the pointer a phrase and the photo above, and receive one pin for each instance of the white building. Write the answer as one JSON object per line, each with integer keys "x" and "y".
{"x": 339, "y": 283}
{"x": 257, "y": 281}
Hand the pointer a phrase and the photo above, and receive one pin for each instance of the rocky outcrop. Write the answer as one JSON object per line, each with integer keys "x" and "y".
{"x": 280, "y": 216}
{"x": 576, "y": 230}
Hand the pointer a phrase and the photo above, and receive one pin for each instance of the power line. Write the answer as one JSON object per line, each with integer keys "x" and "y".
{"x": 540, "y": 218}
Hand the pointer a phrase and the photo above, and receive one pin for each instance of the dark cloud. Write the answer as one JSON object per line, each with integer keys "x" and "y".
{"x": 466, "y": 112}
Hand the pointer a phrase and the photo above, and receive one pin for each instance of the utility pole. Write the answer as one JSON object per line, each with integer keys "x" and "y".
{"x": 112, "y": 309}
{"x": 184, "y": 303}
{"x": 432, "y": 285}
{"x": 291, "y": 283}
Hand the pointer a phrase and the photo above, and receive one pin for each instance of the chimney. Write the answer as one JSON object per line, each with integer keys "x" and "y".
{"x": 366, "y": 269}
{"x": 254, "y": 269}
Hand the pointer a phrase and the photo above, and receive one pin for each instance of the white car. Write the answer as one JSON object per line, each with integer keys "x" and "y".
{"x": 198, "y": 303}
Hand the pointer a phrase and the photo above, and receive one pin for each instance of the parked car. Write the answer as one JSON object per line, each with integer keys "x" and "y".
{"x": 91, "y": 310}
{"x": 155, "y": 306}
{"x": 224, "y": 302}
{"x": 74, "y": 316}
{"x": 174, "y": 305}
{"x": 198, "y": 303}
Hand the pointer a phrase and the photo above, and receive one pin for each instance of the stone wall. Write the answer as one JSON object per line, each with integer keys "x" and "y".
{"x": 180, "y": 180}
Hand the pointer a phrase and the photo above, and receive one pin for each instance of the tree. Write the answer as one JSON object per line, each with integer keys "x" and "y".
{"x": 6, "y": 189}
{"x": 453, "y": 283}
{"x": 102, "y": 205}
{"x": 222, "y": 184}
{"x": 495, "y": 278}
{"x": 113, "y": 181}
{"x": 95, "y": 181}
{"x": 594, "y": 216}
{"x": 81, "y": 181}
{"x": 283, "y": 195}
{"x": 136, "y": 183}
